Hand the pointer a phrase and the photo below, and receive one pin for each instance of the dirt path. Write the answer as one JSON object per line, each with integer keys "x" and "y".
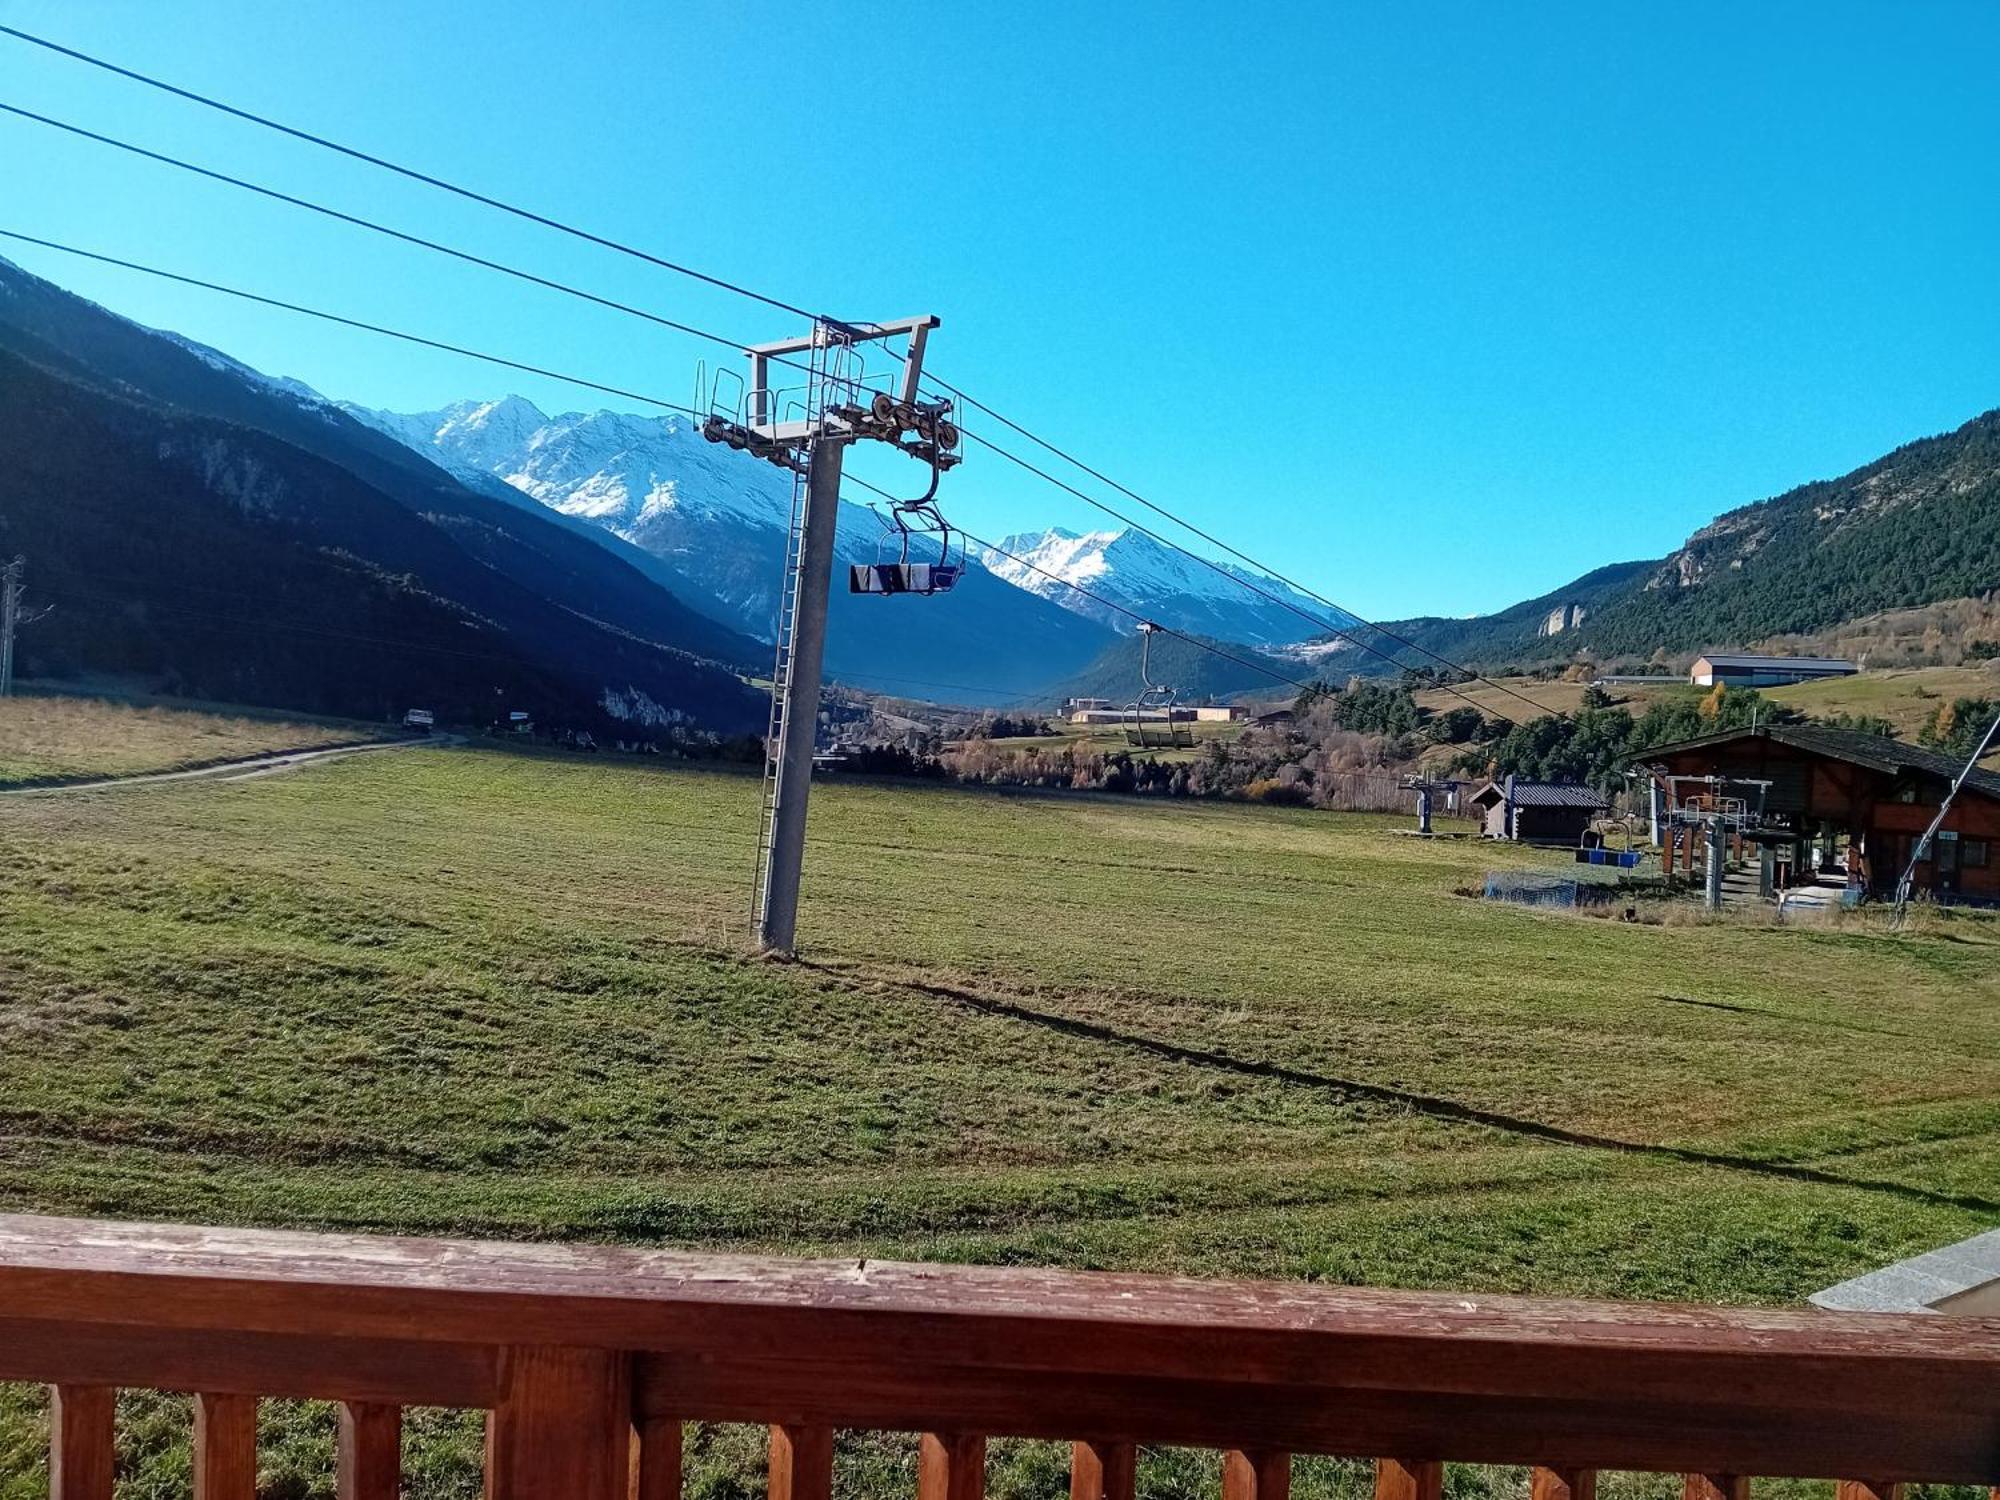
{"x": 248, "y": 769}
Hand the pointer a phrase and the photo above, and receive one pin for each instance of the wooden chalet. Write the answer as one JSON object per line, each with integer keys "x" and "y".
{"x": 1864, "y": 797}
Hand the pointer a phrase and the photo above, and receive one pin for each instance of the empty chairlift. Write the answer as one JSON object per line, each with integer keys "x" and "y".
{"x": 1150, "y": 721}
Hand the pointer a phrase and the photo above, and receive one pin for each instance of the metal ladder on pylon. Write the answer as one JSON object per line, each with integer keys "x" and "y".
{"x": 788, "y": 607}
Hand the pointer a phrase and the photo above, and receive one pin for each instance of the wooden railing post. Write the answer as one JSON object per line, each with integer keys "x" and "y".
{"x": 562, "y": 1429}
{"x": 368, "y": 1457}
{"x": 951, "y": 1466}
{"x": 1563, "y": 1484}
{"x": 1256, "y": 1474}
{"x": 1408, "y": 1479}
{"x": 225, "y": 1447}
{"x": 81, "y": 1442}
{"x": 656, "y": 1459}
{"x": 1716, "y": 1487}
{"x": 801, "y": 1463}
{"x": 1103, "y": 1471}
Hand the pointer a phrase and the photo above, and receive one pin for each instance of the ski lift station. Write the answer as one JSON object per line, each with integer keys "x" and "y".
{"x": 1858, "y": 804}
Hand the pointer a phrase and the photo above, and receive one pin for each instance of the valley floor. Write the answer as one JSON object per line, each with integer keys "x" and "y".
{"x": 491, "y": 993}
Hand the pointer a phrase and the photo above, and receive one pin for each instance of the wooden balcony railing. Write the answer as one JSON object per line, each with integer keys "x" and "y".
{"x": 589, "y": 1360}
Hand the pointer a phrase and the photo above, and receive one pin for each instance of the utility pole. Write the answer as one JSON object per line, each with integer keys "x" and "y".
{"x": 1712, "y": 894}
{"x": 10, "y": 620}
{"x": 807, "y": 429}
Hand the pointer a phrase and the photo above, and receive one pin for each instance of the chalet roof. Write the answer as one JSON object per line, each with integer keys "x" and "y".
{"x": 1780, "y": 663}
{"x": 1875, "y": 752}
{"x": 1542, "y": 794}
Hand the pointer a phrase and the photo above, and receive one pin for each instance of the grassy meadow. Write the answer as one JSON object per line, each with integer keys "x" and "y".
{"x": 1908, "y": 698}
{"x": 506, "y": 994}
{"x": 1109, "y": 739}
{"x": 57, "y": 739}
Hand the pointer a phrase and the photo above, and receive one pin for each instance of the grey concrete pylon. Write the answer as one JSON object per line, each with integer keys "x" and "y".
{"x": 777, "y": 919}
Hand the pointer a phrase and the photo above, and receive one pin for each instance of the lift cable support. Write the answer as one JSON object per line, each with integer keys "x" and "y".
{"x": 1428, "y": 788}
{"x": 807, "y": 430}
{"x": 1921, "y": 851}
{"x": 1712, "y": 807}
{"x": 1149, "y": 718}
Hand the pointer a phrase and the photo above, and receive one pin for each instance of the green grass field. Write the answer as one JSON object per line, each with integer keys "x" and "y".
{"x": 53, "y": 739}
{"x": 1109, "y": 739}
{"x": 479, "y": 992}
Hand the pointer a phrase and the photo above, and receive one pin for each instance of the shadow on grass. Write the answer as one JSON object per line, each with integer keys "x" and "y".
{"x": 1430, "y": 1105}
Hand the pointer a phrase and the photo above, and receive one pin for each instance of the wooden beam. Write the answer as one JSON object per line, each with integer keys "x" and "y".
{"x": 1256, "y": 1474}
{"x": 1002, "y": 1351}
{"x": 82, "y": 1442}
{"x": 656, "y": 1459}
{"x": 1103, "y": 1471}
{"x": 563, "y": 1426}
{"x": 1408, "y": 1479}
{"x": 951, "y": 1466}
{"x": 391, "y": 1372}
{"x": 1562, "y": 1484}
{"x": 801, "y": 1463}
{"x": 368, "y": 1456}
{"x": 225, "y": 1447}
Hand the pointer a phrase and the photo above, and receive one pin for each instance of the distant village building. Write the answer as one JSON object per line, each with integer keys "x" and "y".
{"x": 1275, "y": 717}
{"x": 1222, "y": 713}
{"x": 1538, "y": 812}
{"x": 1765, "y": 671}
{"x": 1862, "y": 801}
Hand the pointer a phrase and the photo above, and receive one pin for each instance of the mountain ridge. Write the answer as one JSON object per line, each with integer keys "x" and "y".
{"x": 291, "y": 490}
{"x": 715, "y": 521}
{"x": 1917, "y": 526}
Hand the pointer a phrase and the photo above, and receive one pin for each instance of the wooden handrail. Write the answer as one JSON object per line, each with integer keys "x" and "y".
{"x": 573, "y": 1348}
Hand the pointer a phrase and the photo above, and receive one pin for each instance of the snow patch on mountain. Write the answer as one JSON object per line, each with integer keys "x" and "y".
{"x": 296, "y": 390}
{"x": 624, "y": 472}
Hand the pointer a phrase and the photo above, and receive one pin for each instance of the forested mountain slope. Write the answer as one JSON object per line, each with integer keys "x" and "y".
{"x": 204, "y": 531}
{"x": 1916, "y": 526}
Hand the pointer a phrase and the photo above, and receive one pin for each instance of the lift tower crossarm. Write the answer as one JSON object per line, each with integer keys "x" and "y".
{"x": 761, "y": 356}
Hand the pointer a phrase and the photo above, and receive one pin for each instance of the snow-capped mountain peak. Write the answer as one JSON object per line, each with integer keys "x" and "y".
{"x": 1131, "y": 569}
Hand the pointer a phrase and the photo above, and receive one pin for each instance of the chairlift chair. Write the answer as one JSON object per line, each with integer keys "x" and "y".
{"x": 1149, "y": 718}
{"x": 909, "y": 519}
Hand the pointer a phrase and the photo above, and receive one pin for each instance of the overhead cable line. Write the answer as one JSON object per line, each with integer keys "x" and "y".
{"x": 741, "y": 290}
{"x": 1131, "y": 614}
{"x": 514, "y": 364}
{"x": 314, "y": 312}
{"x": 1217, "y": 567}
{"x": 410, "y": 172}
{"x": 1208, "y": 537}
{"x": 373, "y": 225}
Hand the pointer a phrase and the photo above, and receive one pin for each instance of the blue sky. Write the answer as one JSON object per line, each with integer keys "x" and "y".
{"x": 1432, "y": 306}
